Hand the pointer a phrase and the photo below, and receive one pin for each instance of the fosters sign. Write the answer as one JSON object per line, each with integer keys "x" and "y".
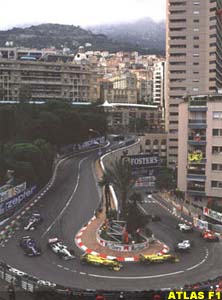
{"x": 141, "y": 161}
{"x": 212, "y": 214}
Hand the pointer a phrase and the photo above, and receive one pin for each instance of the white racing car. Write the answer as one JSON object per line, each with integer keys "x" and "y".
{"x": 33, "y": 222}
{"x": 184, "y": 227}
{"x": 61, "y": 250}
{"x": 183, "y": 246}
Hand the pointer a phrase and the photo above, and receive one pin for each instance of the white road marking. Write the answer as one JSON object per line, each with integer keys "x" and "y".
{"x": 138, "y": 277}
{"x": 68, "y": 202}
{"x": 65, "y": 268}
{"x": 82, "y": 273}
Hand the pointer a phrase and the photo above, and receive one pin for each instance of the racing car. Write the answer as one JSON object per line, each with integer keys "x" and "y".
{"x": 29, "y": 246}
{"x": 158, "y": 258}
{"x": 60, "y": 249}
{"x": 210, "y": 236}
{"x": 111, "y": 264}
{"x": 184, "y": 227}
{"x": 183, "y": 246}
{"x": 33, "y": 221}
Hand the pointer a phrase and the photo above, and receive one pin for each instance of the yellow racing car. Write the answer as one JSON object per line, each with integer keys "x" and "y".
{"x": 158, "y": 258}
{"x": 111, "y": 264}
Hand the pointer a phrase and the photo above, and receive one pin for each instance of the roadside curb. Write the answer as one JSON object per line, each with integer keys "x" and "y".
{"x": 80, "y": 245}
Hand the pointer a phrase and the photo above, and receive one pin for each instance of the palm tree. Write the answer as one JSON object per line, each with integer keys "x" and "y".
{"x": 120, "y": 175}
{"x": 104, "y": 183}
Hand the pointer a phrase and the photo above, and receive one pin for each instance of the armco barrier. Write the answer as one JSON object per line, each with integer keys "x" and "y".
{"x": 47, "y": 290}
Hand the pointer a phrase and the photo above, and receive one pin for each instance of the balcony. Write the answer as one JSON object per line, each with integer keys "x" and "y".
{"x": 197, "y": 123}
{"x": 197, "y": 105}
{"x": 196, "y": 177}
{"x": 196, "y": 171}
{"x": 196, "y": 190}
{"x": 197, "y": 140}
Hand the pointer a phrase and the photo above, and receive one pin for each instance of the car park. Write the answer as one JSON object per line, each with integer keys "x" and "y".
{"x": 158, "y": 258}
{"x": 30, "y": 246}
{"x": 183, "y": 246}
{"x": 111, "y": 264}
{"x": 33, "y": 222}
{"x": 210, "y": 236}
{"x": 60, "y": 249}
{"x": 184, "y": 227}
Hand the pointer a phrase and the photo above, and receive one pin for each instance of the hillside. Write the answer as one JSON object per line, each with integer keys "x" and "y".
{"x": 144, "y": 33}
{"x": 112, "y": 38}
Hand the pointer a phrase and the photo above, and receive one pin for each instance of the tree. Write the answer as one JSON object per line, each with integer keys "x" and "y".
{"x": 104, "y": 183}
{"x": 28, "y": 162}
{"x": 165, "y": 179}
{"x": 135, "y": 218}
{"x": 120, "y": 175}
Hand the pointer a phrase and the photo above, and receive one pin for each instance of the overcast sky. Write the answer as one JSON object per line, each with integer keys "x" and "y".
{"x": 78, "y": 12}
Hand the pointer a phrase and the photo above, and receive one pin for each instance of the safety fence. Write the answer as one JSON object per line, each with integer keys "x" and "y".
{"x": 41, "y": 289}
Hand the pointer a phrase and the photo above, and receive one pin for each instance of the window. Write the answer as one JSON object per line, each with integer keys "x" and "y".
{"x": 217, "y": 150}
{"x": 156, "y": 142}
{"x": 216, "y": 184}
{"x": 174, "y": 114}
{"x": 216, "y": 167}
{"x": 217, "y": 132}
{"x": 217, "y": 115}
{"x": 148, "y": 142}
{"x": 196, "y": 12}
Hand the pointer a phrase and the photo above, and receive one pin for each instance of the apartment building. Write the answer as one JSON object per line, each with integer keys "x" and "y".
{"x": 159, "y": 83}
{"x": 122, "y": 115}
{"x": 200, "y": 149}
{"x": 69, "y": 81}
{"x": 193, "y": 57}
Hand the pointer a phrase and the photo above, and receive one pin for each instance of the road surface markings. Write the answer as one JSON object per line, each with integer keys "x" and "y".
{"x": 68, "y": 202}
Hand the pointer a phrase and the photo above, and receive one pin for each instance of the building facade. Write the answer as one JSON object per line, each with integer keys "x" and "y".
{"x": 45, "y": 80}
{"x": 159, "y": 83}
{"x": 200, "y": 149}
{"x": 122, "y": 116}
{"x": 193, "y": 57}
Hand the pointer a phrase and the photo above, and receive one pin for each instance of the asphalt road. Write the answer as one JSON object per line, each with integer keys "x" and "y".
{"x": 69, "y": 204}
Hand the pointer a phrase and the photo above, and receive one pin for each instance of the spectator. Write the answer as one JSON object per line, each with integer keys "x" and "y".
{"x": 11, "y": 290}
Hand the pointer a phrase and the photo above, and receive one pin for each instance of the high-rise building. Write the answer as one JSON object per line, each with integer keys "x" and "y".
{"x": 200, "y": 151}
{"x": 193, "y": 56}
{"x": 159, "y": 83}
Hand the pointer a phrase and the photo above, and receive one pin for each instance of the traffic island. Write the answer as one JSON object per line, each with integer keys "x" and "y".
{"x": 87, "y": 241}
